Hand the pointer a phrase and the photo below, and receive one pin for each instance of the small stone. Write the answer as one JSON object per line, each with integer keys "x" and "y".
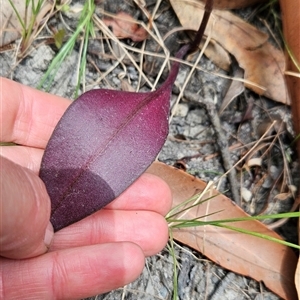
{"x": 274, "y": 172}
{"x": 246, "y": 194}
{"x": 181, "y": 110}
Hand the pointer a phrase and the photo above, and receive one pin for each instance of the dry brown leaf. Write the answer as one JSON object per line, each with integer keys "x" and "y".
{"x": 126, "y": 86}
{"x": 256, "y": 161}
{"x": 235, "y": 89}
{"x": 266, "y": 261}
{"x": 291, "y": 28}
{"x": 215, "y": 52}
{"x": 235, "y": 4}
{"x": 125, "y": 26}
{"x": 263, "y": 64}
{"x": 282, "y": 196}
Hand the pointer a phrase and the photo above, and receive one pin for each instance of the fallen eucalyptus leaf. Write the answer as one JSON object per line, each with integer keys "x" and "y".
{"x": 264, "y": 260}
{"x": 125, "y": 26}
{"x": 291, "y": 28}
{"x": 264, "y": 65}
{"x": 215, "y": 52}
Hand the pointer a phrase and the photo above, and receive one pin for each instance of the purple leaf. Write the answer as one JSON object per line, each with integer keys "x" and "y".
{"x": 105, "y": 140}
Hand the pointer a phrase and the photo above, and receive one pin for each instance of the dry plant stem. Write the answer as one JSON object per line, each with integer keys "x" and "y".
{"x": 160, "y": 40}
{"x": 188, "y": 64}
{"x": 221, "y": 141}
{"x": 101, "y": 25}
{"x": 123, "y": 47}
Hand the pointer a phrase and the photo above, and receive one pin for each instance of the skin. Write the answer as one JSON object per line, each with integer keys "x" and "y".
{"x": 100, "y": 253}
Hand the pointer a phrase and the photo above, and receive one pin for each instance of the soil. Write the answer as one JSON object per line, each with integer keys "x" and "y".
{"x": 192, "y": 143}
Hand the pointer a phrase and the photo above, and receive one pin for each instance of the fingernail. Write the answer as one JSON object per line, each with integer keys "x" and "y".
{"x": 49, "y": 235}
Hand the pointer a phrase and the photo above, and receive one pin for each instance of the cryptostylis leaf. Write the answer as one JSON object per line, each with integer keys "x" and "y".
{"x": 104, "y": 141}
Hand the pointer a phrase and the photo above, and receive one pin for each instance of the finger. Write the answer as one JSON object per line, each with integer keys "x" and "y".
{"x": 148, "y": 192}
{"x": 28, "y": 115}
{"x": 25, "y": 212}
{"x": 26, "y": 157}
{"x": 74, "y": 273}
{"x": 147, "y": 229}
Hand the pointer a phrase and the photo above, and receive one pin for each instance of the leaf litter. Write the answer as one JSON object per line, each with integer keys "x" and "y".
{"x": 231, "y": 250}
{"x": 126, "y": 45}
{"x": 124, "y": 26}
{"x": 264, "y": 65}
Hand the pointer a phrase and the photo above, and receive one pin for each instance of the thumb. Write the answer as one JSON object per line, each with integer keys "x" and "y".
{"x": 24, "y": 214}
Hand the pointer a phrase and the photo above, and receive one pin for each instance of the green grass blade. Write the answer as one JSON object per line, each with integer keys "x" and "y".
{"x": 185, "y": 223}
{"x": 83, "y": 57}
{"x": 37, "y": 8}
{"x": 175, "y": 264}
{"x": 262, "y": 217}
{"x": 18, "y": 15}
{"x": 86, "y": 17}
{"x": 177, "y": 209}
{"x": 259, "y": 235}
{"x": 181, "y": 223}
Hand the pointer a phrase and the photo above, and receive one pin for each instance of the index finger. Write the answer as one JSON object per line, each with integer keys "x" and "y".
{"x": 28, "y": 116}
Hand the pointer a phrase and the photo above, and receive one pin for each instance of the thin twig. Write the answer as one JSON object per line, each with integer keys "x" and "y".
{"x": 221, "y": 141}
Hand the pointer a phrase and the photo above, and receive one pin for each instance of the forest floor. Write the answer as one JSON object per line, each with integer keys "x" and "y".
{"x": 193, "y": 142}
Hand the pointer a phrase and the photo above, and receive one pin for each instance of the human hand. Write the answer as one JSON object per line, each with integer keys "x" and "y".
{"x": 101, "y": 252}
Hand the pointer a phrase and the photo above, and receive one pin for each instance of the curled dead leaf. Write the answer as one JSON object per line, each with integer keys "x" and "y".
{"x": 125, "y": 26}
{"x": 271, "y": 125}
{"x": 235, "y": 89}
{"x": 283, "y": 196}
{"x": 215, "y": 52}
{"x": 256, "y": 161}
